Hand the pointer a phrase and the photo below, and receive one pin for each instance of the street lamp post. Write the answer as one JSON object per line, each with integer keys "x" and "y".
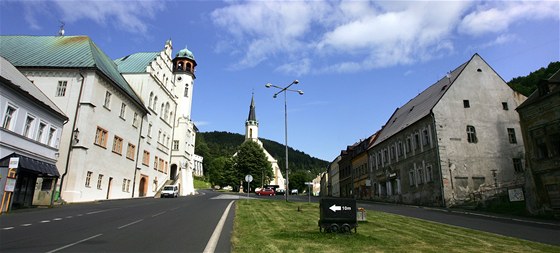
{"x": 285, "y": 89}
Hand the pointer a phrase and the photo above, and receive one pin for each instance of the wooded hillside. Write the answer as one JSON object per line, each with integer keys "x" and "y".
{"x": 527, "y": 84}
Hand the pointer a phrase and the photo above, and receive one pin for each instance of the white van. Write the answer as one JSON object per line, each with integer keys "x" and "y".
{"x": 170, "y": 191}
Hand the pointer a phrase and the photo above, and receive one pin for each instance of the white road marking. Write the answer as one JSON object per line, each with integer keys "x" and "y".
{"x": 57, "y": 219}
{"x": 158, "y": 214}
{"x": 8, "y": 228}
{"x": 45, "y": 221}
{"x": 72, "y": 244}
{"x": 132, "y": 223}
{"x": 211, "y": 245}
{"x": 26, "y": 225}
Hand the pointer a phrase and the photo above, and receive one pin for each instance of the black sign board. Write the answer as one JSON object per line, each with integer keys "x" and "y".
{"x": 338, "y": 209}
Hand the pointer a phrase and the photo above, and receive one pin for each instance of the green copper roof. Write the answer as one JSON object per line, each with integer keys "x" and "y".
{"x": 135, "y": 63}
{"x": 63, "y": 52}
{"x": 185, "y": 53}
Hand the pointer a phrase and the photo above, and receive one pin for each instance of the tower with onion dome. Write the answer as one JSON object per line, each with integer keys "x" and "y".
{"x": 182, "y": 149}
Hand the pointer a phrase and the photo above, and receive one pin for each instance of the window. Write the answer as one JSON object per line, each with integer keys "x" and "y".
{"x": 124, "y": 185}
{"x": 117, "y": 145}
{"x": 411, "y": 177}
{"x": 505, "y": 106}
{"x": 392, "y": 152}
{"x": 130, "y": 151}
{"x": 99, "y": 181}
{"x": 107, "y": 102}
{"x": 28, "y": 125}
{"x": 511, "y": 135}
{"x": 416, "y": 141}
{"x": 151, "y": 99}
{"x": 154, "y": 107}
{"x": 146, "y": 158}
{"x": 466, "y": 104}
{"x": 123, "y": 110}
{"x": 40, "y": 132}
{"x": 400, "y": 149}
{"x": 429, "y": 172}
{"x": 541, "y": 148}
{"x": 426, "y": 135}
{"x": 159, "y": 136}
{"x": 386, "y": 156}
{"x": 88, "y": 178}
{"x": 101, "y": 137}
{"x": 420, "y": 175}
{"x": 186, "y": 94}
{"x": 61, "y": 88}
{"x": 128, "y": 185}
{"x": 166, "y": 113}
{"x": 47, "y": 183}
{"x": 471, "y": 134}
{"x": 50, "y": 139}
{"x": 517, "y": 165}
{"x": 8, "y": 116}
{"x": 379, "y": 159}
{"x": 135, "y": 120}
{"x": 156, "y": 163}
{"x": 408, "y": 145}
{"x": 175, "y": 145}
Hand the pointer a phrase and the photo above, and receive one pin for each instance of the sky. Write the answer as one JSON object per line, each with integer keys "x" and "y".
{"x": 356, "y": 61}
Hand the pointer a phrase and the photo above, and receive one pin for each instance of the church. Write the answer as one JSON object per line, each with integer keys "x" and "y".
{"x": 252, "y": 134}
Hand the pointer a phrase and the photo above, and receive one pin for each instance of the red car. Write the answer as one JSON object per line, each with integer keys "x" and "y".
{"x": 266, "y": 191}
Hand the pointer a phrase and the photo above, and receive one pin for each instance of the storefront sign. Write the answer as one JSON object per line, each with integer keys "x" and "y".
{"x": 10, "y": 185}
{"x": 14, "y": 163}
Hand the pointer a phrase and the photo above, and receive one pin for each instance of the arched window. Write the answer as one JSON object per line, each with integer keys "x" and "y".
{"x": 151, "y": 99}
{"x": 166, "y": 111}
{"x": 189, "y": 66}
{"x": 155, "y": 104}
{"x": 161, "y": 109}
{"x": 471, "y": 134}
{"x": 171, "y": 116}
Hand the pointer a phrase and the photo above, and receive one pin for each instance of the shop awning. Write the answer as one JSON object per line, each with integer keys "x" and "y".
{"x": 41, "y": 168}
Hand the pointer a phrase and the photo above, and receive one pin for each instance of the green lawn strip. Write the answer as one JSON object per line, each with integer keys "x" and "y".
{"x": 277, "y": 226}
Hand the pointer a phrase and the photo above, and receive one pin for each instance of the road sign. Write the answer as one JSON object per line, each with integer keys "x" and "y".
{"x": 10, "y": 185}
{"x": 248, "y": 178}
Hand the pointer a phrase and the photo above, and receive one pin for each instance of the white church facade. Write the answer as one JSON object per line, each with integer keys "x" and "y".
{"x": 252, "y": 134}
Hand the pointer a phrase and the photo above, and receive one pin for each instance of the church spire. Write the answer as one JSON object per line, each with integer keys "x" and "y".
{"x": 252, "y": 114}
{"x": 252, "y": 125}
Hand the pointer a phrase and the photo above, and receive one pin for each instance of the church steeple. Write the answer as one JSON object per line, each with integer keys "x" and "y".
{"x": 252, "y": 125}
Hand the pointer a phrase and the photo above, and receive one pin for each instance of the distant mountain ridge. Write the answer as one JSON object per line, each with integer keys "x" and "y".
{"x": 216, "y": 144}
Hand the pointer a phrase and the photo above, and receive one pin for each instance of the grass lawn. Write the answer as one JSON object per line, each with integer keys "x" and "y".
{"x": 277, "y": 226}
{"x": 199, "y": 184}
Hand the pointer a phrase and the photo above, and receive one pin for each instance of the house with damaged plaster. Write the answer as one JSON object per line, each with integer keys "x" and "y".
{"x": 458, "y": 140}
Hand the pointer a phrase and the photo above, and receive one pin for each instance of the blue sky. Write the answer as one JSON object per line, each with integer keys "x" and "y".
{"x": 357, "y": 61}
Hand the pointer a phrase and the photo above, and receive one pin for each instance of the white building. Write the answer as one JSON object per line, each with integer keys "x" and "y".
{"x": 165, "y": 84}
{"x": 99, "y": 144}
{"x": 31, "y": 129}
{"x": 198, "y": 166}
{"x": 252, "y": 134}
{"x": 150, "y": 74}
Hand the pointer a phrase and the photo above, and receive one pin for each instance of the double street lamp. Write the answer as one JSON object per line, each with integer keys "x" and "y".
{"x": 285, "y": 90}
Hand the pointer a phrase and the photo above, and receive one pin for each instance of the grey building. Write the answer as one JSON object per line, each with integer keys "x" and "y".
{"x": 540, "y": 125}
{"x": 456, "y": 141}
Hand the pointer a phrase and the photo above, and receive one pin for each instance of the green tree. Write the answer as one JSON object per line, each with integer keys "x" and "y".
{"x": 221, "y": 172}
{"x": 251, "y": 160}
{"x": 298, "y": 179}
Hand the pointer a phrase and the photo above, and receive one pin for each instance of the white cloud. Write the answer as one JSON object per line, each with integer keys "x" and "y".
{"x": 300, "y": 37}
{"x": 496, "y": 17}
{"x": 129, "y": 16}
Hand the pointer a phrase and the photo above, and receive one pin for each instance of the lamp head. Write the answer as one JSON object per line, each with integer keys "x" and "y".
{"x": 300, "y": 92}
{"x": 295, "y": 81}
{"x": 268, "y": 85}
{"x": 275, "y": 95}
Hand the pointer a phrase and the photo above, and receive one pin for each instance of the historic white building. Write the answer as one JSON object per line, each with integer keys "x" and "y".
{"x": 31, "y": 129}
{"x": 252, "y": 134}
{"x": 99, "y": 143}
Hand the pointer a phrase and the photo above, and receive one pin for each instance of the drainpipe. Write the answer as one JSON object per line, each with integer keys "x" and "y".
{"x": 70, "y": 146}
{"x": 438, "y": 160}
{"x": 136, "y": 169}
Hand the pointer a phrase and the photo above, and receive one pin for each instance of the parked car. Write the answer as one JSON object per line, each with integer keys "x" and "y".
{"x": 170, "y": 191}
{"x": 294, "y": 192}
{"x": 280, "y": 191}
{"x": 266, "y": 191}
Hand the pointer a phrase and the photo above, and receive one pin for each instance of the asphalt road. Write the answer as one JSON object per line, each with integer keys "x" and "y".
{"x": 183, "y": 224}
